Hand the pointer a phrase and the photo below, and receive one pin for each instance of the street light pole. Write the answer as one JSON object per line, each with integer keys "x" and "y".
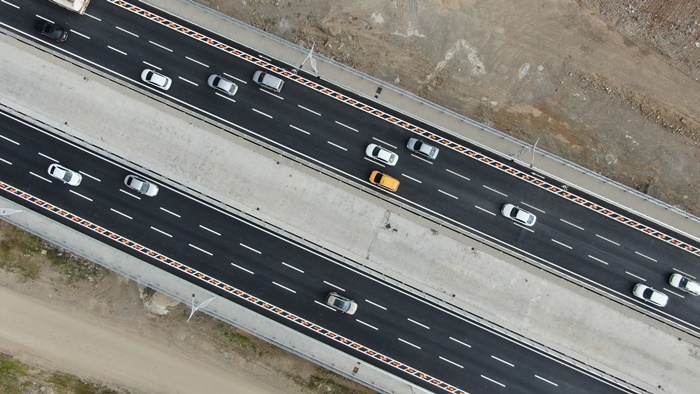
{"x": 202, "y": 305}
{"x": 534, "y": 146}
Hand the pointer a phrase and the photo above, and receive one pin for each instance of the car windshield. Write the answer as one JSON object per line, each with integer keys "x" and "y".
{"x": 647, "y": 293}
{"x": 341, "y": 304}
{"x": 514, "y": 213}
{"x": 66, "y": 176}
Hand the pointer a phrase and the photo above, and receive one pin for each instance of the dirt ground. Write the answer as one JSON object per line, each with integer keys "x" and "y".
{"x": 609, "y": 84}
{"x": 67, "y": 320}
{"x": 612, "y": 85}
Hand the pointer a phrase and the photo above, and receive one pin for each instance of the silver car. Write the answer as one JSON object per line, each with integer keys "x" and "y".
{"x": 268, "y": 81}
{"x": 222, "y": 84}
{"x": 682, "y": 283}
{"x": 382, "y": 155}
{"x": 650, "y": 295}
{"x": 156, "y": 79}
{"x": 140, "y": 185}
{"x": 65, "y": 175}
{"x": 417, "y": 146}
{"x": 343, "y": 304}
{"x": 518, "y": 215}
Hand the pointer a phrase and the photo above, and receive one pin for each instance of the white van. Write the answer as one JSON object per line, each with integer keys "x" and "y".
{"x": 268, "y": 81}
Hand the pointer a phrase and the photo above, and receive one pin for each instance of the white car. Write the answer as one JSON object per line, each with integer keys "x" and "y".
{"x": 140, "y": 185}
{"x": 681, "y": 282}
{"x": 65, "y": 175}
{"x": 158, "y": 80}
{"x": 382, "y": 155}
{"x": 417, "y": 146}
{"x": 343, "y": 304}
{"x": 650, "y": 295}
{"x": 222, "y": 84}
{"x": 268, "y": 81}
{"x": 518, "y": 215}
